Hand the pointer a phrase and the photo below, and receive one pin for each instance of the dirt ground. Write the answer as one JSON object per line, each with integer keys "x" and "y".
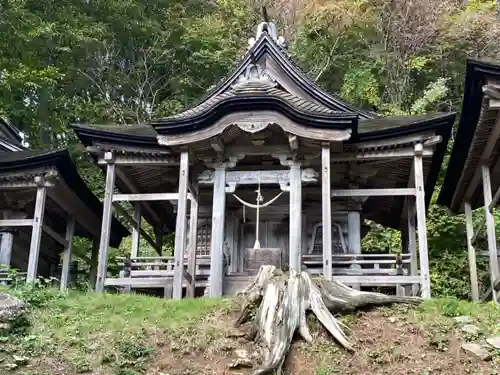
{"x": 384, "y": 345}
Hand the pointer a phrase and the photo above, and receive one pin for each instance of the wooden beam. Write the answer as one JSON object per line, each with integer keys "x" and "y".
{"x": 485, "y": 156}
{"x": 142, "y": 161}
{"x": 372, "y": 192}
{"x": 133, "y": 222}
{"x": 107, "y": 217}
{"x": 217, "y": 240}
{"x": 135, "y": 190}
{"x": 421, "y": 222}
{"x": 56, "y": 236}
{"x": 36, "y": 234}
{"x": 490, "y": 227}
{"x": 68, "y": 249}
{"x": 295, "y": 251}
{"x": 93, "y": 262}
{"x": 16, "y": 223}
{"x": 217, "y": 145}
{"x": 412, "y": 241}
{"x": 180, "y": 226}
{"x": 374, "y": 155}
{"x": 193, "y": 238}
{"x": 326, "y": 213}
{"x": 145, "y": 197}
{"x": 471, "y": 252}
{"x": 493, "y": 291}
{"x": 395, "y": 141}
{"x": 495, "y": 199}
{"x": 15, "y": 185}
{"x": 136, "y": 231}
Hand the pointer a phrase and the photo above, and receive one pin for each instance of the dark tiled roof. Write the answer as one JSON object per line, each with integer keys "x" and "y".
{"x": 143, "y": 130}
{"x": 393, "y": 122}
{"x": 254, "y": 88}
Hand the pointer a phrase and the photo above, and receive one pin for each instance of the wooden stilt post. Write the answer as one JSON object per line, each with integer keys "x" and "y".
{"x": 412, "y": 242}
{"x": 93, "y": 263}
{"x": 354, "y": 238}
{"x": 217, "y": 240}
{"x": 326, "y": 200}
{"x": 70, "y": 230}
{"x": 6, "y": 243}
{"x": 180, "y": 226}
{"x": 193, "y": 239}
{"x": 136, "y": 231}
{"x": 490, "y": 228}
{"x": 472, "y": 252}
{"x": 107, "y": 216}
{"x": 295, "y": 217}
{"x": 36, "y": 234}
{"x": 421, "y": 222}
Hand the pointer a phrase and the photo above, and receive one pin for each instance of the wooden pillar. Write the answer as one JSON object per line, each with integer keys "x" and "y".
{"x": 107, "y": 217}
{"x": 421, "y": 224}
{"x": 6, "y": 243}
{"x": 217, "y": 240}
{"x": 234, "y": 245}
{"x": 136, "y": 231}
{"x": 93, "y": 263}
{"x": 180, "y": 226}
{"x": 295, "y": 217}
{"x": 490, "y": 227}
{"x": 326, "y": 200}
{"x": 354, "y": 232}
{"x": 412, "y": 241}
{"x": 193, "y": 239}
{"x": 70, "y": 230}
{"x": 472, "y": 252}
{"x": 36, "y": 234}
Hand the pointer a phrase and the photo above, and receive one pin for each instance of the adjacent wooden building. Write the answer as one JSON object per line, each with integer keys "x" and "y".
{"x": 43, "y": 204}
{"x": 268, "y": 168}
{"x": 473, "y": 176}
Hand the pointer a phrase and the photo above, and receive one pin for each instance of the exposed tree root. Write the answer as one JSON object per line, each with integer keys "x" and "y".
{"x": 278, "y": 302}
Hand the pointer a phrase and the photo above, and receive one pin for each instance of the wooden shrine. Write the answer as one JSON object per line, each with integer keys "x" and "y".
{"x": 268, "y": 168}
{"x": 473, "y": 173}
{"x": 43, "y": 204}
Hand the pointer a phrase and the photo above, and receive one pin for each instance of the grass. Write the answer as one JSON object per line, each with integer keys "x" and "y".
{"x": 123, "y": 334}
{"x": 117, "y": 332}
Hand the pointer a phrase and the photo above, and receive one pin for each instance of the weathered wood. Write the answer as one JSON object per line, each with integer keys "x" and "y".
{"x": 258, "y": 177}
{"x": 374, "y": 155}
{"x": 68, "y": 249}
{"x": 107, "y": 216}
{"x": 217, "y": 239}
{"x": 16, "y": 223}
{"x": 145, "y": 197}
{"x": 136, "y": 231}
{"x": 485, "y": 156}
{"x": 124, "y": 160}
{"x": 180, "y": 226}
{"x": 372, "y": 192}
{"x": 295, "y": 218}
{"x": 395, "y": 141}
{"x": 490, "y": 227}
{"x": 56, "y": 236}
{"x": 94, "y": 256}
{"x": 217, "y": 145}
{"x": 326, "y": 213}
{"x": 412, "y": 242}
{"x": 278, "y": 304}
{"x": 421, "y": 222}
{"x": 193, "y": 238}
{"x": 6, "y": 244}
{"x": 493, "y": 291}
{"x": 36, "y": 234}
{"x": 471, "y": 252}
{"x": 495, "y": 199}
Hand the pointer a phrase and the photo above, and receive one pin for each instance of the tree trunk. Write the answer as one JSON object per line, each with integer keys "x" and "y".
{"x": 279, "y": 303}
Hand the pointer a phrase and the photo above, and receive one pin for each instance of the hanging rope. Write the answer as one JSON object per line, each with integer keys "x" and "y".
{"x": 254, "y": 205}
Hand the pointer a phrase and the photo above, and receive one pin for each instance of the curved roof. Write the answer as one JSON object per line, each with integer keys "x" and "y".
{"x": 474, "y": 128}
{"x": 24, "y": 161}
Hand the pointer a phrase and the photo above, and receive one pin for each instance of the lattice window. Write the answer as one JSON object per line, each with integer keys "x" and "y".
{"x": 204, "y": 240}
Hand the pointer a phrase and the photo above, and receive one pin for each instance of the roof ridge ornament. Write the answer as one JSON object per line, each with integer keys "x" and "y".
{"x": 269, "y": 28}
{"x": 255, "y": 73}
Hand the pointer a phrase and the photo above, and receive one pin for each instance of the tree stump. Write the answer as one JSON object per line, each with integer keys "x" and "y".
{"x": 278, "y": 302}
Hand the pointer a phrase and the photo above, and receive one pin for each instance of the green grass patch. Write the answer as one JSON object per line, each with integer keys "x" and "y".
{"x": 116, "y": 331}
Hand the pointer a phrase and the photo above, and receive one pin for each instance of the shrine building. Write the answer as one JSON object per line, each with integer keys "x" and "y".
{"x": 268, "y": 168}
